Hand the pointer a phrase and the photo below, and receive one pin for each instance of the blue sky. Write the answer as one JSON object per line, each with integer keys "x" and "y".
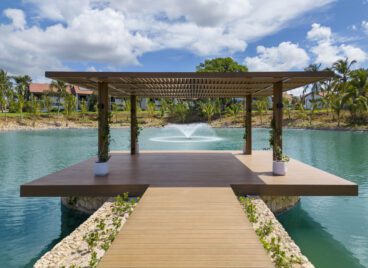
{"x": 173, "y": 35}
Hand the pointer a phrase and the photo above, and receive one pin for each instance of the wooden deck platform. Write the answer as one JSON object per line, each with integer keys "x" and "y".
{"x": 187, "y": 227}
{"x": 246, "y": 174}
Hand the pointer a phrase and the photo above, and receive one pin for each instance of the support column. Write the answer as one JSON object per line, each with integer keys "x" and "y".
{"x": 248, "y": 125}
{"x": 133, "y": 124}
{"x": 103, "y": 120}
{"x": 277, "y": 116}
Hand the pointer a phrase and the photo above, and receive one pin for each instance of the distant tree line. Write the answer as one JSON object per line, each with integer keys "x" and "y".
{"x": 346, "y": 92}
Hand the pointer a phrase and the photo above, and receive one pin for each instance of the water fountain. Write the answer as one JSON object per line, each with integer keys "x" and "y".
{"x": 187, "y": 133}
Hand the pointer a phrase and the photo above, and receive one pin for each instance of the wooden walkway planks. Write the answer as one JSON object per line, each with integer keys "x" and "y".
{"x": 187, "y": 227}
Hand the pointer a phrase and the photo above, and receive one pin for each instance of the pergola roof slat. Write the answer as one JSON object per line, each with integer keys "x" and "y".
{"x": 190, "y": 84}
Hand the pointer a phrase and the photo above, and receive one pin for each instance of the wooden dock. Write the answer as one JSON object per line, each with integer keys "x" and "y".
{"x": 246, "y": 174}
{"x": 187, "y": 227}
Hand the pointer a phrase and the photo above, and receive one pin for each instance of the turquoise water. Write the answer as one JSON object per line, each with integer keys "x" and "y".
{"x": 332, "y": 231}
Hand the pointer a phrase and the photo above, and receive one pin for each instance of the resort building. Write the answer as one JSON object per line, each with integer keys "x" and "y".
{"x": 40, "y": 89}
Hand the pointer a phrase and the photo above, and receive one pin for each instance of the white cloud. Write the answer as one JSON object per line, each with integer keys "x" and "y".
{"x": 319, "y": 33}
{"x": 286, "y": 56}
{"x": 115, "y": 33}
{"x": 354, "y": 53}
{"x": 365, "y": 26}
{"x": 327, "y": 49}
{"x": 17, "y": 17}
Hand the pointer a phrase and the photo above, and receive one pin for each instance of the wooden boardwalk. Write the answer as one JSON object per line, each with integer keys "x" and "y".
{"x": 187, "y": 227}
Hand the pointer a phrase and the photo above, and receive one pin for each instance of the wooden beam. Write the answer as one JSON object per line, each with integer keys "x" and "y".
{"x": 133, "y": 124}
{"x": 103, "y": 116}
{"x": 248, "y": 125}
{"x": 277, "y": 116}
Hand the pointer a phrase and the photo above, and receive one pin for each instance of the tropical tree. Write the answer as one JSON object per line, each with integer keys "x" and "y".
{"x": 234, "y": 110}
{"x": 225, "y": 65}
{"x": 47, "y": 104}
{"x": 313, "y": 107}
{"x": 69, "y": 105}
{"x": 181, "y": 110}
{"x": 164, "y": 107}
{"x": 356, "y": 93}
{"x": 208, "y": 109}
{"x": 22, "y": 86}
{"x": 60, "y": 88}
{"x": 5, "y": 89}
{"x": 35, "y": 108}
{"x": 261, "y": 105}
{"x": 342, "y": 69}
{"x": 21, "y": 102}
{"x": 114, "y": 109}
{"x": 151, "y": 107}
{"x": 315, "y": 88}
{"x": 83, "y": 107}
{"x": 288, "y": 106}
{"x": 337, "y": 104}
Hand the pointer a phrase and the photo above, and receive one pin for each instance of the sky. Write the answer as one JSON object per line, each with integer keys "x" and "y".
{"x": 176, "y": 35}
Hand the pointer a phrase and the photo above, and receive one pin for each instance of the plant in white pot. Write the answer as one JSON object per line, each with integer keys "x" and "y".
{"x": 101, "y": 167}
{"x": 279, "y": 165}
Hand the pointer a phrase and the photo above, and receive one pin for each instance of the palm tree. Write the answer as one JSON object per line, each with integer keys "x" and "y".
{"x": 342, "y": 68}
{"x": 337, "y": 104}
{"x": 261, "y": 105}
{"x": 83, "y": 107}
{"x": 208, "y": 108}
{"x": 5, "y": 89}
{"x": 181, "y": 110}
{"x": 315, "y": 88}
{"x": 151, "y": 107}
{"x": 22, "y": 85}
{"x": 234, "y": 110}
{"x": 60, "y": 88}
{"x": 35, "y": 109}
{"x": 287, "y": 105}
{"x": 356, "y": 95}
{"x": 47, "y": 104}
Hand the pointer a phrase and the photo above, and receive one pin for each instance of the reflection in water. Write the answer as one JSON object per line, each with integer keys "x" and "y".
{"x": 315, "y": 242}
{"x": 69, "y": 219}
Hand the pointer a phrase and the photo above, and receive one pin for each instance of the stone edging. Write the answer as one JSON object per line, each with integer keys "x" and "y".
{"x": 73, "y": 250}
{"x": 264, "y": 215}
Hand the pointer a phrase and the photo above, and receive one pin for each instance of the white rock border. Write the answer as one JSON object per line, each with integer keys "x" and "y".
{"x": 73, "y": 250}
{"x": 265, "y": 215}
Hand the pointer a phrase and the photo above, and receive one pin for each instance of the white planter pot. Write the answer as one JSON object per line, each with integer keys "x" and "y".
{"x": 279, "y": 168}
{"x": 101, "y": 169}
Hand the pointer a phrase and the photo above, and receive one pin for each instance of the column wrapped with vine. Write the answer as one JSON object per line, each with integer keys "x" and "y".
{"x": 277, "y": 150}
{"x": 103, "y": 153}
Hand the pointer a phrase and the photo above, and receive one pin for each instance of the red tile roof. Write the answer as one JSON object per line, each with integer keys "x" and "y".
{"x": 43, "y": 88}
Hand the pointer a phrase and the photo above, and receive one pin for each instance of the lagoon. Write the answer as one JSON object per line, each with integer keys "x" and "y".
{"x": 330, "y": 230}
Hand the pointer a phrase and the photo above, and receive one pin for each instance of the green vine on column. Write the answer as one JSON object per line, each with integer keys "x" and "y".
{"x": 103, "y": 153}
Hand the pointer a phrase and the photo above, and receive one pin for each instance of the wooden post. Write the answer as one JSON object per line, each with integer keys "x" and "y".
{"x": 103, "y": 116}
{"x": 248, "y": 125}
{"x": 277, "y": 116}
{"x": 133, "y": 124}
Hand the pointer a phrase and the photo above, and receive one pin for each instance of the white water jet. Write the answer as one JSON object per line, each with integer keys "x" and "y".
{"x": 187, "y": 133}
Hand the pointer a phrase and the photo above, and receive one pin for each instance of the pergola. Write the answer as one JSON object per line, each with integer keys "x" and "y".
{"x": 190, "y": 85}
